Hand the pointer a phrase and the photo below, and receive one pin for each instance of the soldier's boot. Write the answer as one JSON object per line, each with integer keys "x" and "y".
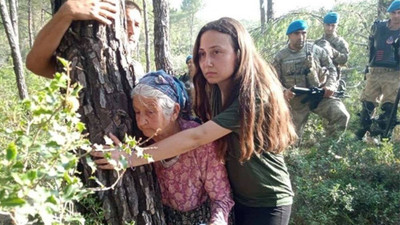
{"x": 365, "y": 118}
{"x": 383, "y": 120}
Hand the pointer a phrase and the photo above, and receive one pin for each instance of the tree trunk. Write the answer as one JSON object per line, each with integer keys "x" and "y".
{"x": 98, "y": 55}
{"x": 262, "y": 15}
{"x": 30, "y": 23}
{"x": 270, "y": 10}
{"x": 146, "y": 33}
{"x": 161, "y": 36}
{"x": 14, "y": 17}
{"x": 15, "y": 50}
{"x": 192, "y": 14}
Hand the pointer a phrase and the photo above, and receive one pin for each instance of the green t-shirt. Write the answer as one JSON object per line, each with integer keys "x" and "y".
{"x": 262, "y": 181}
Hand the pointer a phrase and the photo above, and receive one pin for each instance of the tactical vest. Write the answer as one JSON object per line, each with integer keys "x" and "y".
{"x": 382, "y": 52}
{"x": 296, "y": 68}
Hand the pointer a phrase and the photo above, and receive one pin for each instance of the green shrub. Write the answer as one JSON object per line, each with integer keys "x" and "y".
{"x": 38, "y": 178}
{"x": 349, "y": 182}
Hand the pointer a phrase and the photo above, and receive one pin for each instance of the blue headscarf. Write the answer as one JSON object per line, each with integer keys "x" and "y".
{"x": 170, "y": 86}
{"x": 296, "y": 25}
{"x": 331, "y": 17}
{"x": 394, "y": 6}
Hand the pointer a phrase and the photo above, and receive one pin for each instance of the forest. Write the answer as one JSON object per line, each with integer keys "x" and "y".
{"x": 44, "y": 138}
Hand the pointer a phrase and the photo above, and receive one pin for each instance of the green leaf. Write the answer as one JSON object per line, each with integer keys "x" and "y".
{"x": 11, "y": 202}
{"x": 32, "y": 175}
{"x": 80, "y": 127}
{"x": 69, "y": 192}
{"x": 52, "y": 199}
{"x": 18, "y": 165}
{"x": 67, "y": 177}
{"x": 71, "y": 164}
{"x": 64, "y": 62}
{"x": 2, "y": 193}
{"x": 17, "y": 178}
{"x": 11, "y": 152}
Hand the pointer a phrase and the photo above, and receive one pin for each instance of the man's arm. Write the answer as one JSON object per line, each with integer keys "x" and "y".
{"x": 326, "y": 62}
{"x": 341, "y": 52}
{"x": 41, "y": 60}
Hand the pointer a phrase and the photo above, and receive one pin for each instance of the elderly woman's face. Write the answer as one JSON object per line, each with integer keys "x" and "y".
{"x": 149, "y": 116}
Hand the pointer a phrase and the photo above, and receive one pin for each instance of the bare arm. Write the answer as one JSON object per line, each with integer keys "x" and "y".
{"x": 174, "y": 145}
{"x": 182, "y": 142}
{"x": 41, "y": 60}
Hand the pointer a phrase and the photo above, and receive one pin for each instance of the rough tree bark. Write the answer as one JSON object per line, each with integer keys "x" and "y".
{"x": 14, "y": 16}
{"x": 161, "y": 36}
{"x": 98, "y": 55}
{"x": 10, "y": 28}
{"x": 30, "y": 23}
{"x": 262, "y": 15}
{"x": 146, "y": 33}
{"x": 270, "y": 10}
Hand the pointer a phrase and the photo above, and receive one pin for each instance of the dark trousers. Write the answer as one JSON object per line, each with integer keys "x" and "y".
{"x": 278, "y": 215}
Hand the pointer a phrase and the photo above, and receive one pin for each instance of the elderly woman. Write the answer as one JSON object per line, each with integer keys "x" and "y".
{"x": 194, "y": 186}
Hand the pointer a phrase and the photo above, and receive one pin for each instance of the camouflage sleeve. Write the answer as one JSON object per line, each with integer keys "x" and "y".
{"x": 341, "y": 52}
{"x": 277, "y": 65}
{"x": 326, "y": 62}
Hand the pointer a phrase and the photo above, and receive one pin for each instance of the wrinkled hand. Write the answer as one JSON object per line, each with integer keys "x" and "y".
{"x": 288, "y": 94}
{"x": 100, "y": 10}
{"x": 101, "y": 161}
{"x": 328, "y": 92}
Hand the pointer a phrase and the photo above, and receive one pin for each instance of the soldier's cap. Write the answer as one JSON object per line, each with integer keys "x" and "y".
{"x": 394, "y": 6}
{"x": 189, "y": 57}
{"x": 296, "y": 25}
{"x": 331, "y": 17}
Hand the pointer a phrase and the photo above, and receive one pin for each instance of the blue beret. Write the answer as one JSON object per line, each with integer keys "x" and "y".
{"x": 296, "y": 25}
{"x": 331, "y": 17}
{"x": 394, "y": 6}
{"x": 189, "y": 57}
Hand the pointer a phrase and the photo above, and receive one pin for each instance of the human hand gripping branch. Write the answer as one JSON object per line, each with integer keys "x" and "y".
{"x": 110, "y": 156}
{"x": 172, "y": 146}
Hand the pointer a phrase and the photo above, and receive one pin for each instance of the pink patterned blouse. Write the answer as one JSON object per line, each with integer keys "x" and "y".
{"x": 188, "y": 180}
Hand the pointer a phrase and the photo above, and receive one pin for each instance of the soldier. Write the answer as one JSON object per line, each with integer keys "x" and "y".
{"x": 304, "y": 64}
{"x": 336, "y": 47}
{"x": 383, "y": 76}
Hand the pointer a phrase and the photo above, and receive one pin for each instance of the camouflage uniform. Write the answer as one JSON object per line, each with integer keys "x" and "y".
{"x": 337, "y": 49}
{"x": 311, "y": 67}
{"x": 383, "y": 78}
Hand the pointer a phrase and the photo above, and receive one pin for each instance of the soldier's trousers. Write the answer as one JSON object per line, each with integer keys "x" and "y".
{"x": 381, "y": 86}
{"x": 331, "y": 109}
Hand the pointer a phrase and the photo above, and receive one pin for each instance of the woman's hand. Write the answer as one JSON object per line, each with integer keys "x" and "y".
{"x": 99, "y": 155}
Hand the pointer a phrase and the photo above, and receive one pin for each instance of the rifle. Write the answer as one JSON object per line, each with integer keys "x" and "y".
{"x": 314, "y": 95}
{"x": 392, "y": 122}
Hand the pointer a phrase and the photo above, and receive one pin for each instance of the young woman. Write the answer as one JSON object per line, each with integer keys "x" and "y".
{"x": 240, "y": 99}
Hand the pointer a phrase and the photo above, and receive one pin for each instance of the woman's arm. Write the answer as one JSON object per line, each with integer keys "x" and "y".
{"x": 174, "y": 145}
